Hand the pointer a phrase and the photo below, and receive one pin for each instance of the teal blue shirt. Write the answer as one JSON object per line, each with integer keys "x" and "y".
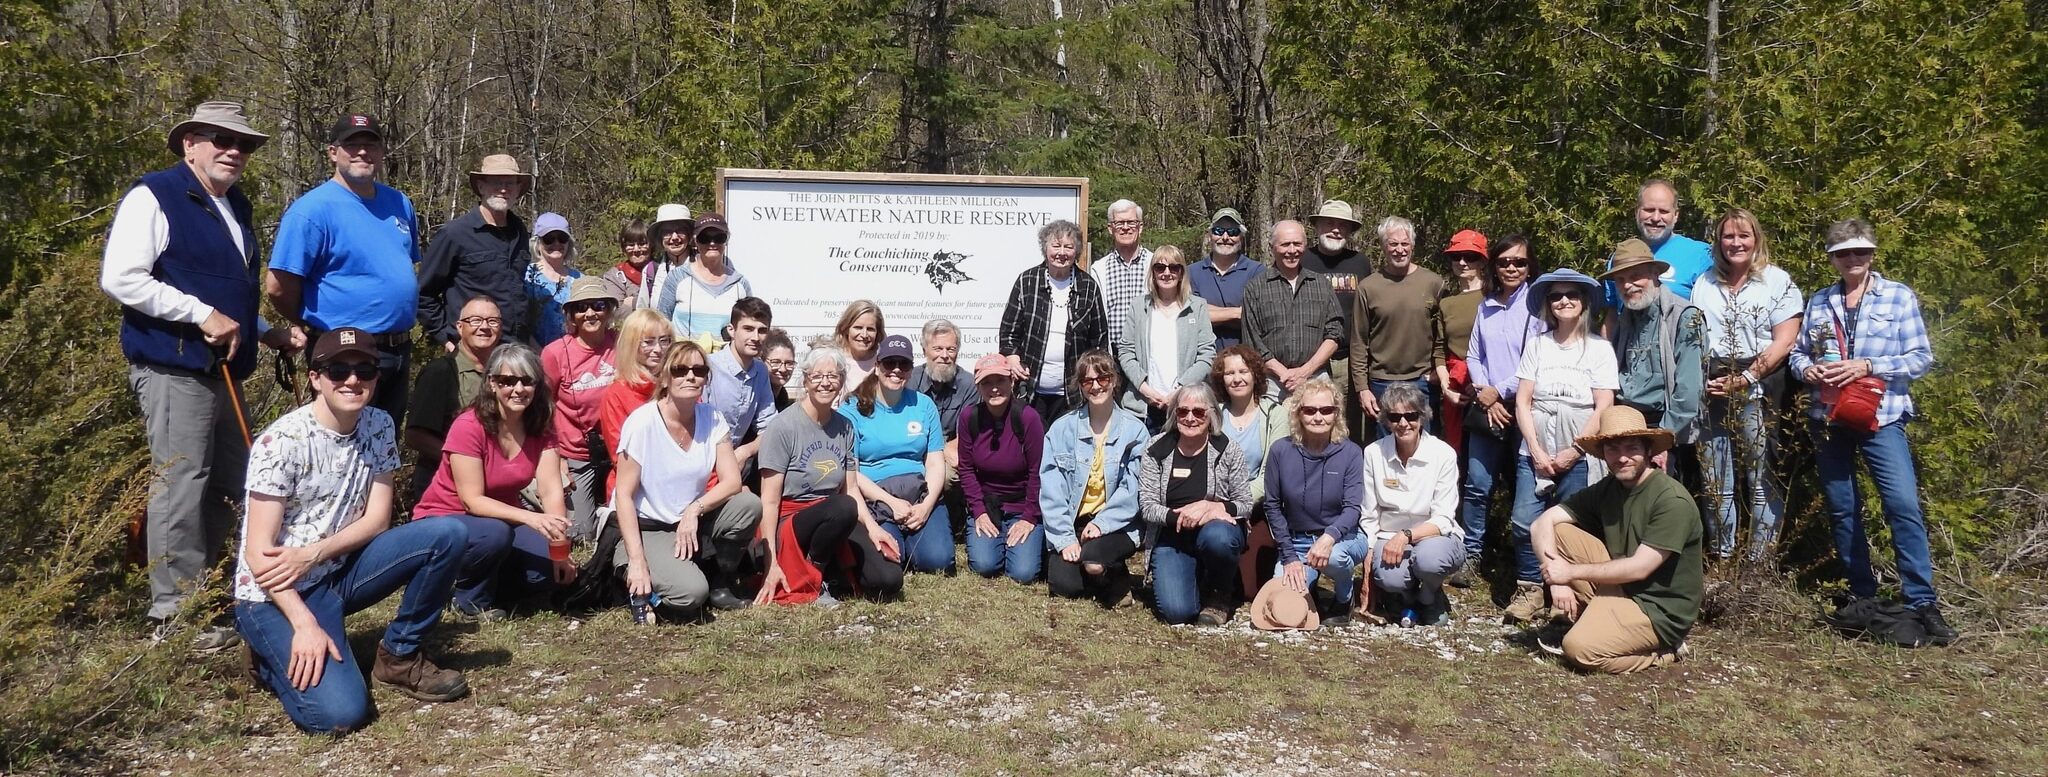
{"x": 894, "y": 440}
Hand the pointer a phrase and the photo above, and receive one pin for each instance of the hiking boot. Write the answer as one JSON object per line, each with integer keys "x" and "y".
{"x": 468, "y": 614}
{"x": 206, "y": 641}
{"x": 1339, "y": 619}
{"x": 418, "y": 677}
{"x": 1550, "y": 638}
{"x": 1464, "y": 577}
{"x": 1938, "y": 631}
{"x": 724, "y": 599}
{"x": 1212, "y": 616}
{"x": 1527, "y": 602}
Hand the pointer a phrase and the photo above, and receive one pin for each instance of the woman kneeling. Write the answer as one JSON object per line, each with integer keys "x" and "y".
{"x": 1193, "y": 487}
{"x": 814, "y": 521}
{"x": 1088, "y": 487}
{"x": 1411, "y": 500}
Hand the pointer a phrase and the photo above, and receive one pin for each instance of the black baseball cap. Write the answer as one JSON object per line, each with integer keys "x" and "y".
{"x": 352, "y": 124}
{"x": 344, "y": 341}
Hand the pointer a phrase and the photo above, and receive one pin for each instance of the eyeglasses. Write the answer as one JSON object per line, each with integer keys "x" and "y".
{"x": 780, "y": 364}
{"x": 1410, "y": 417}
{"x": 690, "y": 370}
{"x": 482, "y": 322}
{"x": 1098, "y": 380}
{"x": 586, "y": 306}
{"x": 1308, "y": 410}
{"x": 1191, "y": 412}
{"x": 554, "y": 238}
{"x": 508, "y": 381}
{"x": 1226, "y": 231}
{"x": 1163, "y": 268}
{"x": 711, "y": 239}
{"x": 1558, "y": 295}
{"x": 1512, "y": 263}
{"x": 339, "y": 371}
{"x": 225, "y": 141}
{"x": 657, "y": 343}
{"x": 823, "y": 378}
{"x": 1123, "y": 225}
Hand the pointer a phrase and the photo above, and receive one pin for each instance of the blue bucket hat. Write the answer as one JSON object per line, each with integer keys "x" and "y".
{"x": 1567, "y": 275}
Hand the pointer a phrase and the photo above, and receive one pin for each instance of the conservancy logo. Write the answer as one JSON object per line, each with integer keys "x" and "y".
{"x": 943, "y": 267}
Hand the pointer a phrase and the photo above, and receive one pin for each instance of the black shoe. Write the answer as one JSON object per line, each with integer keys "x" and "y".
{"x": 1937, "y": 628}
{"x": 724, "y": 599}
{"x": 1463, "y": 578}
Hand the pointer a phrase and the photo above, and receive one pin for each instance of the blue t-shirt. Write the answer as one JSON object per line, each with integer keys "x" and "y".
{"x": 1224, "y": 290}
{"x": 356, "y": 257}
{"x": 1688, "y": 258}
{"x": 895, "y": 440}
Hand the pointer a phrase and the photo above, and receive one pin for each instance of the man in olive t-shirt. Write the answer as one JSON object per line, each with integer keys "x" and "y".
{"x": 1623, "y": 556}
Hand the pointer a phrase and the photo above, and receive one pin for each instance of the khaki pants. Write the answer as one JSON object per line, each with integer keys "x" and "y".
{"x": 1612, "y": 635}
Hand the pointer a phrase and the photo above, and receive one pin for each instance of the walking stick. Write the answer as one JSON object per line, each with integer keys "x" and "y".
{"x": 235, "y": 398}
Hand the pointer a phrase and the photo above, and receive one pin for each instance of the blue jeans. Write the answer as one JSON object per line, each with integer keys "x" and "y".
{"x": 499, "y": 560}
{"x": 1191, "y": 564}
{"x": 930, "y": 548}
{"x": 1344, "y": 557}
{"x": 1430, "y": 402}
{"x": 1486, "y": 459}
{"x": 1728, "y": 458}
{"x": 989, "y": 556}
{"x": 1890, "y": 459}
{"x": 421, "y": 556}
{"x": 1529, "y": 505}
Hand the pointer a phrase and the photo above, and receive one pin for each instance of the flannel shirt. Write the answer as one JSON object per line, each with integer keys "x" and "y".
{"x": 1289, "y": 323}
{"x": 1123, "y": 285}
{"x": 1028, "y": 316}
{"x": 1889, "y": 331}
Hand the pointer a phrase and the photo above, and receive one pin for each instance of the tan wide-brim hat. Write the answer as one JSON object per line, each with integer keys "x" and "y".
{"x": 590, "y": 287}
{"x": 499, "y": 164}
{"x": 1339, "y": 210}
{"x": 1619, "y": 422}
{"x": 1279, "y": 608}
{"x": 1633, "y": 253}
{"x": 219, "y": 114}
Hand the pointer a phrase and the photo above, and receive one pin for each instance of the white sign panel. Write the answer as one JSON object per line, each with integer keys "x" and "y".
{"x": 919, "y": 246}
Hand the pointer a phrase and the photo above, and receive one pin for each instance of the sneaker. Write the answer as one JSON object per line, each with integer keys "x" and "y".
{"x": 1938, "y": 631}
{"x": 417, "y": 676}
{"x": 1437, "y": 613}
{"x": 1527, "y": 602}
{"x": 206, "y": 641}
{"x": 826, "y": 600}
{"x": 724, "y": 599}
{"x": 1338, "y": 620}
{"x": 1550, "y": 638}
{"x": 1464, "y": 577}
{"x": 486, "y": 615}
{"x": 1212, "y": 616}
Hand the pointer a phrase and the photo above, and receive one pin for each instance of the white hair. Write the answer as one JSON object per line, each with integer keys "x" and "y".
{"x": 1121, "y": 205}
{"x": 1392, "y": 224}
{"x": 939, "y": 326}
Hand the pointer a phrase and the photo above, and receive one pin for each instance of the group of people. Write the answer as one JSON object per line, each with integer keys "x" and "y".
{"x": 1355, "y": 417}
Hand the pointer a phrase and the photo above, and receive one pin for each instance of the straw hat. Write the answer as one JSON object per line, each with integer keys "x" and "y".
{"x": 1280, "y": 608}
{"x": 220, "y": 114}
{"x": 499, "y": 164}
{"x": 1620, "y": 422}
{"x": 590, "y": 287}
{"x": 1632, "y": 253}
{"x": 1339, "y": 210}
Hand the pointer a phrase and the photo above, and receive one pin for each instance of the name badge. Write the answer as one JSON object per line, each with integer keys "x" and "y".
{"x": 1395, "y": 483}
{"x": 1181, "y": 472}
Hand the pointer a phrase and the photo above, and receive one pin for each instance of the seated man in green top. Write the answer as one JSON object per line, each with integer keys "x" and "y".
{"x": 1623, "y": 556}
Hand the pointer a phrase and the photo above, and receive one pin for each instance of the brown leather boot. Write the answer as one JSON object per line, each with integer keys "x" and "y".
{"x": 418, "y": 677}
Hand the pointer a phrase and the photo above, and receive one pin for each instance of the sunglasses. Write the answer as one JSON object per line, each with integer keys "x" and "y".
{"x": 1098, "y": 380}
{"x": 1512, "y": 263}
{"x": 1409, "y": 417}
{"x": 1163, "y": 268}
{"x": 1191, "y": 412}
{"x": 894, "y": 365}
{"x": 712, "y": 239}
{"x": 339, "y": 371}
{"x": 1318, "y": 410}
{"x": 574, "y": 308}
{"x": 691, "y": 370}
{"x": 508, "y": 381}
{"x": 1559, "y": 295}
{"x": 554, "y": 239}
{"x": 225, "y": 141}
{"x": 1226, "y": 231}
{"x": 1854, "y": 253}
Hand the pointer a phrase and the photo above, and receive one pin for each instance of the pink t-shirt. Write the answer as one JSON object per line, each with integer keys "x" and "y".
{"x": 577, "y": 377}
{"x": 503, "y": 477}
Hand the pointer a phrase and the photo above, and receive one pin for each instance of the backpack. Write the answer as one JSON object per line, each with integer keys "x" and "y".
{"x": 1879, "y": 620}
{"x": 598, "y": 585}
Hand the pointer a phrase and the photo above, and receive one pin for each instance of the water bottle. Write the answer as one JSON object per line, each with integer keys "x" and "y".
{"x": 1408, "y": 617}
{"x": 643, "y": 608}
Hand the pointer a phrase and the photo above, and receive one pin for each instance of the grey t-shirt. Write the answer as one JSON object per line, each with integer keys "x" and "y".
{"x": 813, "y": 459}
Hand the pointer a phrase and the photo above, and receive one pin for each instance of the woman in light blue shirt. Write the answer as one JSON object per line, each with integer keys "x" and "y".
{"x": 902, "y": 453}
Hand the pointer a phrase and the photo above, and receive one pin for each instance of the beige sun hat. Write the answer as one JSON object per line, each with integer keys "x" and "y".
{"x": 1280, "y": 608}
{"x": 216, "y": 113}
{"x": 1339, "y": 210}
{"x": 1620, "y": 422}
{"x": 498, "y": 164}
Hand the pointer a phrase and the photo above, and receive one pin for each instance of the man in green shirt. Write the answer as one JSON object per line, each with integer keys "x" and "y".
{"x": 1623, "y": 556}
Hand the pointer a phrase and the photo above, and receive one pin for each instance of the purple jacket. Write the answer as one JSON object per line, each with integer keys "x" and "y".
{"x": 1308, "y": 493}
{"x": 1497, "y": 339}
{"x": 999, "y": 461}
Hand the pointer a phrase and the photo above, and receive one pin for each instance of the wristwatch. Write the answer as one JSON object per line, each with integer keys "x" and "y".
{"x": 1410, "y": 534}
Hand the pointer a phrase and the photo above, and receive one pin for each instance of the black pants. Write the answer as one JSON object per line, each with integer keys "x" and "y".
{"x": 1049, "y": 407}
{"x": 823, "y": 529}
{"x": 1066, "y": 578}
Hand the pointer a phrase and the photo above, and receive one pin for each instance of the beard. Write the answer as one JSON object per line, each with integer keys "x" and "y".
{"x": 1654, "y": 234}
{"x": 941, "y": 373}
{"x": 1330, "y": 246}
{"x": 497, "y": 204}
{"x": 1639, "y": 303}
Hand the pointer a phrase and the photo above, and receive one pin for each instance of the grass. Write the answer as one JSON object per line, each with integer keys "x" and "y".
{"x": 974, "y": 676}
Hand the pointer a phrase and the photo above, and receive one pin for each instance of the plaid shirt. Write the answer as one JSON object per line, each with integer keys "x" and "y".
{"x": 1123, "y": 284}
{"x": 1889, "y": 331}
{"x": 1027, "y": 319}
{"x": 1289, "y": 323}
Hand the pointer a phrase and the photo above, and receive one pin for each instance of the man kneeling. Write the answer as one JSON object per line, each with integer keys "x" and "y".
{"x": 1623, "y": 556}
{"x": 317, "y": 545}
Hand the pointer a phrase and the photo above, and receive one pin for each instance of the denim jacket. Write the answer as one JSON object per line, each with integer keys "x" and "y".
{"x": 1063, "y": 475}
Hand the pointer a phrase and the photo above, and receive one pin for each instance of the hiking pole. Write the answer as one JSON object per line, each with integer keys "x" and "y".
{"x": 234, "y": 397}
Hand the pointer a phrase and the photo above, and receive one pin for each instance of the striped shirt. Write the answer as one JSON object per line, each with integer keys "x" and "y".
{"x": 1887, "y": 329}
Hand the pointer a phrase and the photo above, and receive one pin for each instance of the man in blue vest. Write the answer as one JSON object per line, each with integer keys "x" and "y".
{"x": 181, "y": 260}
{"x": 344, "y": 256}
